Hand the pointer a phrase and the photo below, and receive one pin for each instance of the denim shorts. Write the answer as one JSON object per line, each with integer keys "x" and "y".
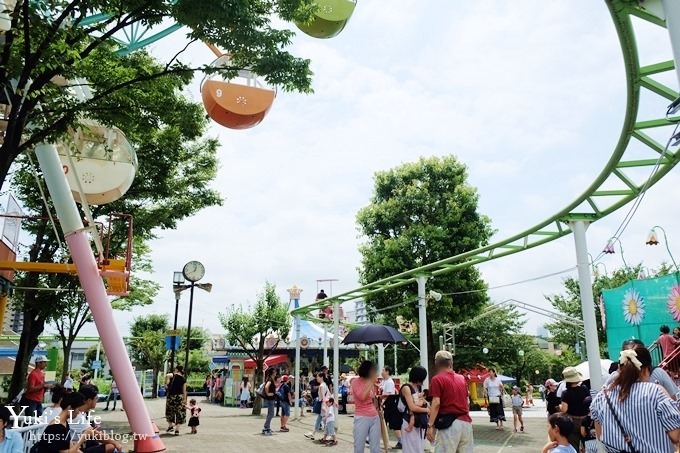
{"x": 330, "y": 428}
{"x": 285, "y": 409}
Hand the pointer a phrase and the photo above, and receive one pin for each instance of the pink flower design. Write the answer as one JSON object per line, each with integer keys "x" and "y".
{"x": 674, "y": 302}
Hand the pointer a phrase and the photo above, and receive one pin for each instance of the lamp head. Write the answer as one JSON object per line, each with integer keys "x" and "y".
{"x": 178, "y": 278}
{"x": 609, "y": 248}
{"x": 652, "y": 239}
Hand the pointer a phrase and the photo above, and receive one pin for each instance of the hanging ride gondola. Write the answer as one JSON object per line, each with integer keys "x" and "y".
{"x": 238, "y": 103}
{"x": 329, "y": 19}
{"x": 99, "y": 162}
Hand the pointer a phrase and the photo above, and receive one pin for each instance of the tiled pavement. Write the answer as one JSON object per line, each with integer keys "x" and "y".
{"x": 233, "y": 430}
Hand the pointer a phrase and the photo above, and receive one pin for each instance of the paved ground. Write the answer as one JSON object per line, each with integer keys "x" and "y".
{"x": 232, "y": 430}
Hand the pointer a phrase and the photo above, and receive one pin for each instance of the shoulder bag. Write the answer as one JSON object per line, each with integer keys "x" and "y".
{"x": 626, "y": 437}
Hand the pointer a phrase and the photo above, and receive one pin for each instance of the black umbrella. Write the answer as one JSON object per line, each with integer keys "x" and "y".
{"x": 374, "y": 334}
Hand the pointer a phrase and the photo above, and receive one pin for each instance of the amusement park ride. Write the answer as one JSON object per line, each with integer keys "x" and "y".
{"x": 96, "y": 165}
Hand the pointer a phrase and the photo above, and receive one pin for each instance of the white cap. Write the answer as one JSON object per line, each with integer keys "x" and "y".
{"x": 40, "y": 358}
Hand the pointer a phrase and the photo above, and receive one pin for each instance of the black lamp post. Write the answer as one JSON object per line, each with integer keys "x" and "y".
{"x": 178, "y": 286}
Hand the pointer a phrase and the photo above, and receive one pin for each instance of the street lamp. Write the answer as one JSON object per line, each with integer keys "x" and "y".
{"x": 652, "y": 240}
{"x": 609, "y": 249}
{"x": 178, "y": 286}
{"x": 521, "y": 369}
{"x": 193, "y": 271}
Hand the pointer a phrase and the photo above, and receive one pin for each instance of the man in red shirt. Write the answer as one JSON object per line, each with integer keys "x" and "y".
{"x": 449, "y": 425}
{"x": 35, "y": 388}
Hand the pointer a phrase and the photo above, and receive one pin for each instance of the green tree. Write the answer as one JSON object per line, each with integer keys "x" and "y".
{"x": 249, "y": 329}
{"x": 76, "y": 312}
{"x": 172, "y": 183}
{"x": 199, "y": 362}
{"x": 420, "y": 213}
{"x": 56, "y": 40}
{"x": 497, "y": 329}
{"x": 147, "y": 344}
{"x": 90, "y": 358}
{"x": 569, "y": 303}
{"x": 199, "y": 338}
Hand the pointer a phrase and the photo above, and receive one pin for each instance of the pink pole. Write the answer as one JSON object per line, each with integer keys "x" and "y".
{"x": 146, "y": 440}
{"x": 95, "y": 292}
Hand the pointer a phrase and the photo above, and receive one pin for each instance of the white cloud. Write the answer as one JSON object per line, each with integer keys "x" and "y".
{"x": 530, "y": 94}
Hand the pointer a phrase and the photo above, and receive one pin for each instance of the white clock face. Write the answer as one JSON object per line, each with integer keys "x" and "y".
{"x": 193, "y": 271}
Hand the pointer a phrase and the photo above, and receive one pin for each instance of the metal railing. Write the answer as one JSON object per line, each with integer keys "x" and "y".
{"x": 657, "y": 355}
{"x": 31, "y": 435}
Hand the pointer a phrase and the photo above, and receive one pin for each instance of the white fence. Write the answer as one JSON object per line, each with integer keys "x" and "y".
{"x": 31, "y": 435}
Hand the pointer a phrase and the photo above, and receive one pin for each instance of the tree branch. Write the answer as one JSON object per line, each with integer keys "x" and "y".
{"x": 50, "y": 33}
{"x": 167, "y": 66}
{"x": 27, "y": 31}
{"x": 68, "y": 114}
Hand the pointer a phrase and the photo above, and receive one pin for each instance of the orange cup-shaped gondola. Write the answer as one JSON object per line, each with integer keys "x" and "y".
{"x": 238, "y": 103}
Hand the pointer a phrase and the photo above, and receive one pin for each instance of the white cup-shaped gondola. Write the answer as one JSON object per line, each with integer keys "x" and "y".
{"x": 102, "y": 163}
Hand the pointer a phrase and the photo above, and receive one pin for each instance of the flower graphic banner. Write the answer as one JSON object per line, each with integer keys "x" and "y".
{"x": 638, "y": 308}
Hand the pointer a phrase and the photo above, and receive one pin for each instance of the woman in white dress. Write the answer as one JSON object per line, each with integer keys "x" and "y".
{"x": 245, "y": 393}
{"x": 413, "y": 435}
{"x": 493, "y": 391}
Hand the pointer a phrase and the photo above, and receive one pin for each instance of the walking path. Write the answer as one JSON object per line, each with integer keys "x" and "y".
{"x": 225, "y": 429}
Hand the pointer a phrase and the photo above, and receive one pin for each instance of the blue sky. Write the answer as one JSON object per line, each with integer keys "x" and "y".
{"x": 529, "y": 94}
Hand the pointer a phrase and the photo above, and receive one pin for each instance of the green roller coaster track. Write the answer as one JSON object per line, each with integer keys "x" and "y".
{"x": 612, "y": 189}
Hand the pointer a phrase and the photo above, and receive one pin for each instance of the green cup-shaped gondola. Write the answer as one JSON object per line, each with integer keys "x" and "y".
{"x": 330, "y": 18}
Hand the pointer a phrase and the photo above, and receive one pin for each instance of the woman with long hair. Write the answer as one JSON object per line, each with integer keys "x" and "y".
{"x": 176, "y": 401}
{"x": 493, "y": 391}
{"x": 366, "y": 419}
{"x": 633, "y": 414}
{"x": 244, "y": 397}
{"x": 269, "y": 397}
{"x": 322, "y": 396}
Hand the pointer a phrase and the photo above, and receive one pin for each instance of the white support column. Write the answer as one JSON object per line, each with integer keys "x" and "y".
{"x": 422, "y": 324}
{"x": 396, "y": 351}
{"x": 381, "y": 357}
{"x": 336, "y": 349}
{"x": 294, "y": 294}
{"x": 671, "y": 9}
{"x": 587, "y": 303}
{"x": 325, "y": 345}
{"x": 298, "y": 379}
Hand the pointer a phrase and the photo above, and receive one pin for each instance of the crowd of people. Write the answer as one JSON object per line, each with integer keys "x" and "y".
{"x": 635, "y": 411}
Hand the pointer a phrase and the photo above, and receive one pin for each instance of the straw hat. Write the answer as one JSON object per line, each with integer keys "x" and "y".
{"x": 571, "y": 375}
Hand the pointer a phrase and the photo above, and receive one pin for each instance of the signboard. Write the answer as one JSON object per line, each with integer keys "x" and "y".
{"x": 229, "y": 388}
{"x": 168, "y": 342}
{"x": 638, "y": 308}
{"x": 173, "y": 332}
{"x": 96, "y": 364}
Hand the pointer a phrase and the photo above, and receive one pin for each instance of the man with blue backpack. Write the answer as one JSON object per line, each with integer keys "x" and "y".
{"x": 283, "y": 393}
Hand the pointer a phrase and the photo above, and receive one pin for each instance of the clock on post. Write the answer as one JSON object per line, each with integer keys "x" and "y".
{"x": 193, "y": 271}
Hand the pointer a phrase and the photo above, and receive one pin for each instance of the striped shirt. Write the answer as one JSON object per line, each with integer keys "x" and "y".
{"x": 646, "y": 415}
{"x": 658, "y": 376}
